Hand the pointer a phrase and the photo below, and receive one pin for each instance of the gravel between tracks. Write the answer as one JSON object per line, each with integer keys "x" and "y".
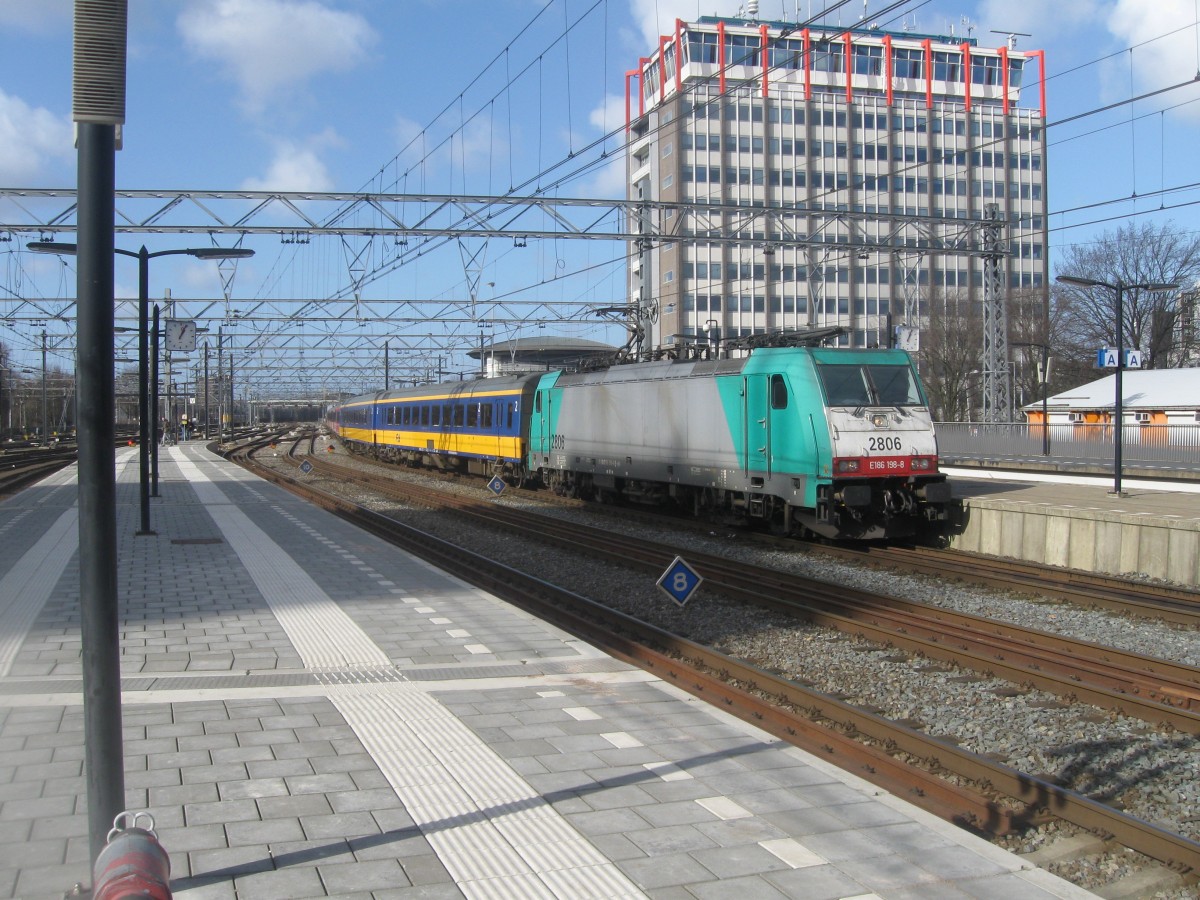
{"x": 1150, "y": 772}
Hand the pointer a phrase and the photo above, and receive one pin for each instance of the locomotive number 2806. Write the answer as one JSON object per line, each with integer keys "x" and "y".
{"x": 884, "y": 443}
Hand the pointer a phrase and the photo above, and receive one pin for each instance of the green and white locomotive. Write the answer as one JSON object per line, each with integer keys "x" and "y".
{"x": 836, "y": 442}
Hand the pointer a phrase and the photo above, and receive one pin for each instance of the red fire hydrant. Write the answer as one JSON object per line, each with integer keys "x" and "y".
{"x": 133, "y": 862}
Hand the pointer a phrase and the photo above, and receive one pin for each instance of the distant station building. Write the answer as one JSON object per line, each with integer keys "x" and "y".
{"x": 740, "y": 114}
{"x": 540, "y": 354}
{"x": 1150, "y": 397}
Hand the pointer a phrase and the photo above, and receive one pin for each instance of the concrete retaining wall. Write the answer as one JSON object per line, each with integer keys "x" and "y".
{"x": 1091, "y": 540}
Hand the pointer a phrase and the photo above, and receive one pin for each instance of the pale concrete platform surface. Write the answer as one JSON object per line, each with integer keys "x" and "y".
{"x": 311, "y": 713}
{"x": 1151, "y": 529}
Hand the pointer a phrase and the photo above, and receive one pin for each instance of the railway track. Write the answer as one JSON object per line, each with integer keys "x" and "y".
{"x": 1090, "y": 590}
{"x": 1141, "y": 686}
{"x": 20, "y": 468}
{"x": 1087, "y": 589}
{"x": 961, "y": 786}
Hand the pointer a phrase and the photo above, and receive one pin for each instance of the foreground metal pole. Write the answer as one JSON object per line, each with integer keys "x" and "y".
{"x": 146, "y": 414}
{"x": 96, "y": 402}
{"x": 154, "y": 404}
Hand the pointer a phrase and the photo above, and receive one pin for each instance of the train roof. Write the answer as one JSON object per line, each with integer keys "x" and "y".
{"x": 446, "y": 389}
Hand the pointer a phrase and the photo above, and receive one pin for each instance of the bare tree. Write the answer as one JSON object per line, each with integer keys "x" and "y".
{"x": 949, "y": 355}
{"x": 1134, "y": 254}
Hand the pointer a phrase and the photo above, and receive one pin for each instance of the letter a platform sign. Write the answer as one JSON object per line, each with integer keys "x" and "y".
{"x": 680, "y": 581}
{"x": 1107, "y": 358}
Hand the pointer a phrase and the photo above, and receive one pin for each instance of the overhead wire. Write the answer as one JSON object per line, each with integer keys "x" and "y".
{"x": 589, "y": 165}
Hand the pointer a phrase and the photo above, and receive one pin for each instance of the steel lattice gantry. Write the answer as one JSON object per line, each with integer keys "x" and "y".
{"x": 381, "y": 233}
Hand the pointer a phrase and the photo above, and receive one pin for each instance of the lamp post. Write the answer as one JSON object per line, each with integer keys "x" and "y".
{"x": 146, "y": 414}
{"x": 45, "y": 413}
{"x": 1118, "y": 412}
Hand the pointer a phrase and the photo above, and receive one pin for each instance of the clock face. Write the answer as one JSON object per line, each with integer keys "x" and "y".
{"x": 181, "y": 335}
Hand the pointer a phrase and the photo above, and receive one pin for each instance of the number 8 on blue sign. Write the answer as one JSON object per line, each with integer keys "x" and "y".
{"x": 680, "y": 581}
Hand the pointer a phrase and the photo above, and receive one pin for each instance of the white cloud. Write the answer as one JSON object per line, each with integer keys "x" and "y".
{"x": 606, "y": 181}
{"x": 657, "y": 17}
{"x": 271, "y": 47}
{"x": 297, "y": 167}
{"x": 1170, "y": 58}
{"x": 610, "y": 114}
{"x": 29, "y": 139}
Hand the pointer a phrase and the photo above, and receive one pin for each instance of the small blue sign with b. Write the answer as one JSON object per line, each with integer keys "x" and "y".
{"x": 680, "y": 581}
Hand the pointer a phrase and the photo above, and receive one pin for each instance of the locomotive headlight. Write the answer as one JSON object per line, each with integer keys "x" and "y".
{"x": 879, "y": 420}
{"x": 844, "y": 466}
{"x": 922, "y": 463}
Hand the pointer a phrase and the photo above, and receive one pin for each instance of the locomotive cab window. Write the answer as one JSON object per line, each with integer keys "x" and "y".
{"x": 869, "y": 385}
{"x": 895, "y": 385}
{"x": 844, "y": 385}
{"x": 779, "y": 392}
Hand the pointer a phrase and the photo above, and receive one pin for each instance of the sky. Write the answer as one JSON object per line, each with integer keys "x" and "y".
{"x": 486, "y": 96}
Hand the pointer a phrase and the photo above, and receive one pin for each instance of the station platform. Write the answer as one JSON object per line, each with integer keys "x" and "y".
{"x": 309, "y": 712}
{"x": 1151, "y": 530}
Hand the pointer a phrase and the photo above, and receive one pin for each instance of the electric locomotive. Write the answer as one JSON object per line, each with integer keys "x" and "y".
{"x": 836, "y": 442}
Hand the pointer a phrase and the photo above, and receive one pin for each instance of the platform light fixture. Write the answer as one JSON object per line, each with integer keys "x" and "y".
{"x": 146, "y": 413}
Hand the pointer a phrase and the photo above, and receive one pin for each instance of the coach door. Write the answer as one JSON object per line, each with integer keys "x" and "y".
{"x": 757, "y": 452}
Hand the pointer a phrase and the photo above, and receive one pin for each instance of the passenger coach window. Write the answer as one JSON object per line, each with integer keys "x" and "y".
{"x": 424, "y": 415}
{"x": 487, "y": 415}
{"x": 458, "y": 416}
{"x": 437, "y": 416}
{"x": 779, "y": 392}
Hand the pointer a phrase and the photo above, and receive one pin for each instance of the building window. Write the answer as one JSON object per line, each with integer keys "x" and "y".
{"x": 908, "y": 63}
{"x": 947, "y": 66}
{"x": 868, "y": 59}
{"x": 985, "y": 70}
{"x": 827, "y": 56}
{"x": 742, "y": 49}
{"x": 1015, "y": 68}
{"x": 702, "y": 47}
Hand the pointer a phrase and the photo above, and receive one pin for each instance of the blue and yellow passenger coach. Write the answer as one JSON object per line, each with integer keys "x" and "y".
{"x": 477, "y": 427}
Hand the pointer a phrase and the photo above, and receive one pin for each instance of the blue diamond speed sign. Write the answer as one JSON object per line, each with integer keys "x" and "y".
{"x": 680, "y": 581}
